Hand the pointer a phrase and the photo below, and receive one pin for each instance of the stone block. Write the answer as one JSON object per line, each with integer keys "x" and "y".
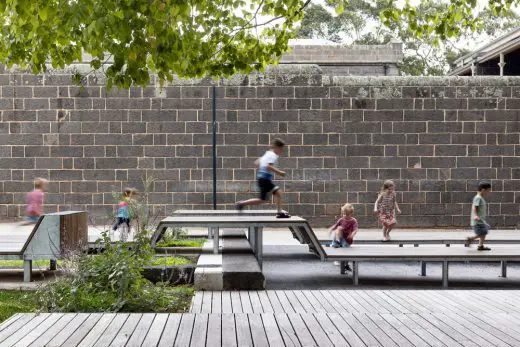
{"x": 208, "y": 278}
{"x": 381, "y": 116}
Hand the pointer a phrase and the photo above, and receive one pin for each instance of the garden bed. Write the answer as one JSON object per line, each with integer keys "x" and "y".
{"x": 172, "y": 270}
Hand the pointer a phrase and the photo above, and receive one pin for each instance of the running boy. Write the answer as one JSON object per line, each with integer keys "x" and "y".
{"x": 266, "y": 168}
{"x": 34, "y": 201}
{"x": 478, "y": 217}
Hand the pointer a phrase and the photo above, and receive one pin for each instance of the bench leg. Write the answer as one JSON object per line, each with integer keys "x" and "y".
{"x": 445, "y": 270}
{"x": 259, "y": 246}
{"x": 216, "y": 237}
{"x": 252, "y": 237}
{"x": 423, "y": 268}
{"x": 355, "y": 273}
{"x": 27, "y": 270}
{"x": 416, "y": 245}
{"x": 53, "y": 265}
{"x": 210, "y": 233}
{"x": 503, "y": 266}
{"x": 400, "y": 245}
{"x": 342, "y": 267}
{"x": 157, "y": 236}
{"x": 448, "y": 245}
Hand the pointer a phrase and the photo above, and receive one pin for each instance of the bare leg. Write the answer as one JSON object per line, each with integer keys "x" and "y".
{"x": 481, "y": 241}
{"x": 388, "y": 230}
{"x": 253, "y": 202}
{"x": 278, "y": 200}
{"x": 339, "y": 234}
{"x": 384, "y": 232}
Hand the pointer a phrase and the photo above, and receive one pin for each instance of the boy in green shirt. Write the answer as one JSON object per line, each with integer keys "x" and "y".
{"x": 478, "y": 217}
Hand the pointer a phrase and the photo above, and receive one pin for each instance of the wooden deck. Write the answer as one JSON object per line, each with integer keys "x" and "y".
{"x": 291, "y": 318}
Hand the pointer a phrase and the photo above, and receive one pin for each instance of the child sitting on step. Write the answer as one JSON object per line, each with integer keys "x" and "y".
{"x": 344, "y": 230}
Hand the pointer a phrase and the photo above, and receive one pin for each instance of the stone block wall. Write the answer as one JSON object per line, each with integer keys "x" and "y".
{"x": 436, "y": 137}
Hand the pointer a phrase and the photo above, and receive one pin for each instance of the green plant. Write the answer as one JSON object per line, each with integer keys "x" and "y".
{"x": 12, "y": 302}
{"x": 182, "y": 243}
{"x": 19, "y": 263}
{"x": 170, "y": 261}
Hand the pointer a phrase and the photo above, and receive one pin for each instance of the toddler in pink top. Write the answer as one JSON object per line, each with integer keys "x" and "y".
{"x": 35, "y": 200}
{"x": 345, "y": 228}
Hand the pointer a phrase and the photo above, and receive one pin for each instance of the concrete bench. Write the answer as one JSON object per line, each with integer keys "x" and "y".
{"x": 254, "y": 225}
{"x": 53, "y": 236}
{"x": 444, "y": 255}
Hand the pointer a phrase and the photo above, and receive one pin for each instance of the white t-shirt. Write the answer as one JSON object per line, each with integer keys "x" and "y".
{"x": 269, "y": 158}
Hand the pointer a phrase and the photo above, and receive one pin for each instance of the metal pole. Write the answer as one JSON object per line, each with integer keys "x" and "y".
{"x": 214, "y": 147}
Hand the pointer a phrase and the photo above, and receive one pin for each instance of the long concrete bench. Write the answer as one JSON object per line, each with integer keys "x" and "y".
{"x": 54, "y": 235}
{"x": 444, "y": 255}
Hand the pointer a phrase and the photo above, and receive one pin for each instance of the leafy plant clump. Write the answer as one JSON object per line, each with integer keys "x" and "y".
{"x": 113, "y": 281}
{"x": 19, "y": 263}
{"x": 182, "y": 243}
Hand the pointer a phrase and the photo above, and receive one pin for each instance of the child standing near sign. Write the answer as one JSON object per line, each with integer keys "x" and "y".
{"x": 386, "y": 206}
{"x": 34, "y": 201}
{"x": 123, "y": 212}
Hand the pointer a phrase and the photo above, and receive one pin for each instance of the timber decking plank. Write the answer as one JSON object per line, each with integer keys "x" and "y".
{"x": 360, "y": 329}
{"x": 408, "y": 333}
{"x": 214, "y": 335}
{"x": 156, "y": 330}
{"x": 25, "y": 329}
{"x": 371, "y": 304}
{"x": 293, "y": 300}
{"x": 91, "y": 327}
{"x": 396, "y": 306}
{"x": 112, "y": 330}
{"x": 317, "y": 306}
{"x": 70, "y": 329}
{"x": 227, "y": 307}
{"x": 279, "y": 302}
{"x": 258, "y": 331}
{"x": 301, "y": 331}
{"x": 265, "y": 301}
{"x": 243, "y": 330}
{"x": 34, "y": 334}
{"x": 354, "y": 302}
{"x": 229, "y": 331}
{"x": 216, "y": 302}
{"x": 245, "y": 301}
{"x": 432, "y": 329}
{"x": 304, "y": 301}
{"x": 469, "y": 333}
{"x": 485, "y": 332}
{"x": 165, "y": 330}
{"x": 185, "y": 332}
{"x": 339, "y": 300}
{"x": 316, "y": 330}
{"x": 45, "y": 338}
{"x": 272, "y": 330}
{"x": 196, "y": 303}
{"x": 10, "y": 320}
{"x": 377, "y": 332}
{"x": 345, "y": 330}
{"x": 141, "y": 330}
{"x": 285, "y": 304}
{"x": 236, "y": 302}
{"x": 16, "y": 325}
{"x": 200, "y": 330}
{"x": 448, "y": 330}
{"x": 324, "y": 300}
{"x": 330, "y": 330}
{"x": 286, "y": 330}
{"x": 126, "y": 330}
{"x": 389, "y": 330}
{"x": 416, "y": 328}
{"x": 207, "y": 300}
{"x": 255, "y": 302}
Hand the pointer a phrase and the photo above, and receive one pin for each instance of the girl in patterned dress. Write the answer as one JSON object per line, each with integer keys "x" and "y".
{"x": 385, "y": 206}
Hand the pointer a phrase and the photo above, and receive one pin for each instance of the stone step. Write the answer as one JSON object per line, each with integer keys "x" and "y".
{"x": 241, "y": 272}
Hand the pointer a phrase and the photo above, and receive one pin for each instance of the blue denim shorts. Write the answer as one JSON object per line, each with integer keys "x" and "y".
{"x": 480, "y": 229}
{"x": 33, "y": 219}
{"x": 343, "y": 243}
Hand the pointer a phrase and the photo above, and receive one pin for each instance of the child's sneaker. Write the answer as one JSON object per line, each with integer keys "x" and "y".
{"x": 239, "y": 206}
{"x": 337, "y": 263}
{"x": 335, "y": 244}
{"x": 347, "y": 268}
{"x": 283, "y": 214}
{"x": 468, "y": 242}
{"x": 483, "y": 248}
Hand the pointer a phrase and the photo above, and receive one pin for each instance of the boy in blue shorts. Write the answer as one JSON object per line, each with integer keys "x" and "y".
{"x": 478, "y": 217}
{"x": 266, "y": 170}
